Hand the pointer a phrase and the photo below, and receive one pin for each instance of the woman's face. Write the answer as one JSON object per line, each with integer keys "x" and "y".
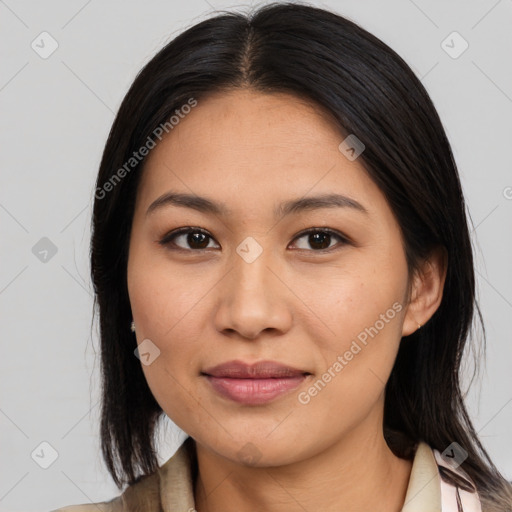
{"x": 255, "y": 288}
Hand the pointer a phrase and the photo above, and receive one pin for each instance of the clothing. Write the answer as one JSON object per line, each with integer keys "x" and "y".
{"x": 170, "y": 488}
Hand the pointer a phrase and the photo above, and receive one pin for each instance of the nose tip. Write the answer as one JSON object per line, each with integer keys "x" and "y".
{"x": 253, "y": 301}
{"x": 249, "y": 334}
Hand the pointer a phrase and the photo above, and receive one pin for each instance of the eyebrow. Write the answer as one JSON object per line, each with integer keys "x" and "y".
{"x": 205, "y": 205}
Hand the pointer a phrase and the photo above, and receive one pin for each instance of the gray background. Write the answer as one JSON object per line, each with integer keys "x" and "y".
{"x": 56, "y": 114}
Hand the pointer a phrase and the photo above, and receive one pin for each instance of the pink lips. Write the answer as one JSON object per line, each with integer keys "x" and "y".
{"x": 253, "y": 384}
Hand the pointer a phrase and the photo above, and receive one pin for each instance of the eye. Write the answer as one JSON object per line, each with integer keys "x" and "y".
{"x": 196, "y": 238}
{"x": 320, "y": 238}
{"x": 199, "y": 239}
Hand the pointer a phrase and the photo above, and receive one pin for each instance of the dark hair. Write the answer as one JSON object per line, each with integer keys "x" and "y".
{"x": 369, "y": 91}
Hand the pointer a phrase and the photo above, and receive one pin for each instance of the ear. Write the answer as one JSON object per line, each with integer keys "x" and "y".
{"x": 426, "y": 291}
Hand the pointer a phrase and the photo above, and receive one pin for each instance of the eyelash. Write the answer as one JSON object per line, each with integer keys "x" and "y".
{"x": 167, "y": 239}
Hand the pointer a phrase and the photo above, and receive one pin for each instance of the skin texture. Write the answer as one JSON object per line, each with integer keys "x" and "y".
{"x": 294, "y": 304}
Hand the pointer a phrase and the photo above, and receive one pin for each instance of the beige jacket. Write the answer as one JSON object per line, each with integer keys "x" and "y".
{"x": 170, "y": 488}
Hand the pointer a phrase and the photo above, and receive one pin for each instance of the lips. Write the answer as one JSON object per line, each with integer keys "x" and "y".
{"x": 259, "y": 370}
{"x": 253, "y": 384}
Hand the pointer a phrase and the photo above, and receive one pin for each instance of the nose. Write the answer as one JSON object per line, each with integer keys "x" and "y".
{"x": 254, "y": 298}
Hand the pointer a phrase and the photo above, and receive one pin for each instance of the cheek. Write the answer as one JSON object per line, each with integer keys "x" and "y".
{"x": 164, "y": 296}
{"x": 363, "y": 303}
{"x": 356, "y": 365}
{"x": 173, "y": 392}
{"x": 170, "y": 313}
{"x": 363, "y": 310}
{"x": 167, "y": 314}
{"x": 171, "y": 310}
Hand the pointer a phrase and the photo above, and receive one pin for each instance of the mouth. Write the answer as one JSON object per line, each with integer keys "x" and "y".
{"x": 254, "y": 384}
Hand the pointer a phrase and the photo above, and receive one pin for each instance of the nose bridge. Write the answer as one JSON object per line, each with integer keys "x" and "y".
{"x": 253, "y": 299}
{"x": 252, "y": 262}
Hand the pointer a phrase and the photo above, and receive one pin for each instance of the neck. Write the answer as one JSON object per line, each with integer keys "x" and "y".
{"x": 352, "y": 474}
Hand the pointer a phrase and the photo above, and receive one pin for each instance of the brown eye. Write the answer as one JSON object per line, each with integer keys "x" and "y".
{"x": 190, "y": 238}
{"x": 320, "y": 239}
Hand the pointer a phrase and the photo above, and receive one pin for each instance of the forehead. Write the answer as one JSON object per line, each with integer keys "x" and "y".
{"x": 245, "y": 119}
{"x": 245, "y": 147}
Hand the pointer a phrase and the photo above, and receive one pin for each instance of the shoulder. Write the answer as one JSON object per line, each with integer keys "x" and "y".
{"x": 170, "y": 487}
{"x": 144, "y": 495}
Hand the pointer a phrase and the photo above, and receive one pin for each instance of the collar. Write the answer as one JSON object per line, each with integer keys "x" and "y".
{"x": 424, "y": 489}
{"x": 426, "y": 492}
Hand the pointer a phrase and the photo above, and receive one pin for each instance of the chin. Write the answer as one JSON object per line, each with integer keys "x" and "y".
{"x": 252, "y": 451}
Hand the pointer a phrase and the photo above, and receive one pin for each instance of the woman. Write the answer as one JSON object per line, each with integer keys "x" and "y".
{"x": 282, "y": 264}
